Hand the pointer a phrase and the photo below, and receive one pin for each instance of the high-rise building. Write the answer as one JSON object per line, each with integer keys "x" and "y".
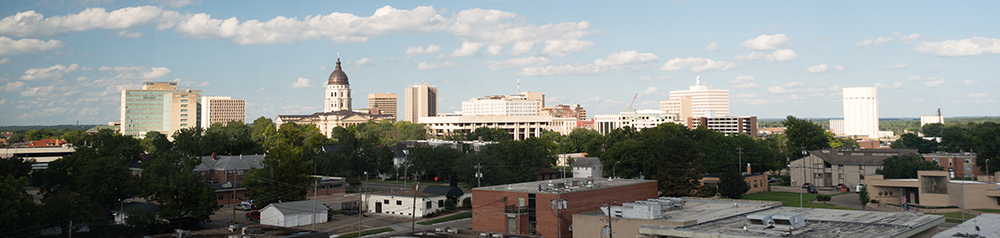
{"x": 727, "y": 125}
{"x": 385, "y": 102}
{"x": 338, "y": 91}
{"x": 837, "y": 127}
{"x": 160, "y": 107}
{"x": 861, "y": 112}
{"x": 222, "y": 109}
{"x": 421, "y": 101}
{"x": 638, "y": 119}
{"x": 523, "y": 104}
{"x": 703, "y": 102}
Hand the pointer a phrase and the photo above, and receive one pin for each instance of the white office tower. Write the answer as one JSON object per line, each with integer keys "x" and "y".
{"x": 222, "y": 109}
{"x": 702, "y": 101}
{"x": 523, "y": 104}
{"x": 861, "y": 112}
{"x": 421, "y": 101}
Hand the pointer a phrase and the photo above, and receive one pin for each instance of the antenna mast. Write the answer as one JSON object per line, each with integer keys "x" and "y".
{"x": 633, "y": 100}
{"x": 518, "y": 84}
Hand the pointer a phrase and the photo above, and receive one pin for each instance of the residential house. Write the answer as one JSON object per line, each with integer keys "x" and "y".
{"x": 588, "y": 167}
{"x": 830, "y": 167}
{"x": 289, "y": 214}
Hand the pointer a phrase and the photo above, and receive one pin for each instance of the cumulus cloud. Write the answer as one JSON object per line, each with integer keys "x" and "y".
{"x": 54, "y": 72}
{"x": 746, "y": 86}
{"x": 494, "y": 49}
{"x": 4, "y": 60}
{"x": 964, "y": 47}
{"x": 864, "y": 43}
{"x": 12, "y": 86}
{"x": 909, "y": 38}
{"x": 358, "y": 65}
{"x": 777, "y": 55}
{"x": 971, "y": 82}
{"x": 574, "y": 69}
{"x": 977, "y": 95}
{"x": 467, "y": 49}
{"x": 563, "y": 48}
{"x": 446, "y": 64}
{"x": 697, "y": 64}
{"x": 929, "y": 81}
{"x": 38, "y": 91}
{"x": 649, "y": 91}
{"x": 886, "y": 39}
{"x": 522, "y": 47}
{"x": 302, "y": 83}
{"x": 800, "y": 87}
{"x": 174, "y": 3}
{"x": 627, "y": 58}
{"x": 136, "y": 72}
{"x": 741, "y": 79}
{"x": 896, "y": 66}
{"x": 519, "y": 63}
{"x": 33, "y": 24}
{"x": 712, "y": 46}
{"x": 822, "y": 68}
{"x": 838, "y": 68}
{"x": 766, "y": 42}
{"x": 126, "y": 34}
{"x": 204, "y": 84}
{"x": 10, "y": 46}
{"x": 413, "y": 51}
{"x": 893, "y": 85}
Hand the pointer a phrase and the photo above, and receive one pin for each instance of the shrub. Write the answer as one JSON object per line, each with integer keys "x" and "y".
{"x": 823, "y": 198}
{"x": 449, "y": 204}
{"x": 467, "y": 203}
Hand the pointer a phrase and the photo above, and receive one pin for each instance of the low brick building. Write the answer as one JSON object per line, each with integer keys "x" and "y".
{"x": 957, "y": 164}
{"x": 546, "y": 208}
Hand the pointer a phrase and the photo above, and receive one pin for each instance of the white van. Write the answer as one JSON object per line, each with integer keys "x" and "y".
{"x": 244, "y": 206}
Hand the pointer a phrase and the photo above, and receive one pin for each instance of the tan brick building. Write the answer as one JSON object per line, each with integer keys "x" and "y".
{"x": 546, "y": 208}
{"x": 826, "y": 168}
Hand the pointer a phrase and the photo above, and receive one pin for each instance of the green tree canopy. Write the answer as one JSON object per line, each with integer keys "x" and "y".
{"x": 283, "y": 177}
{"x": 804, "y": 134}
{"x": 905, "y": 166}
{"x": 732, "y": 185}
{"x": 912, "y": 141}
{"x": 169, "y": 179}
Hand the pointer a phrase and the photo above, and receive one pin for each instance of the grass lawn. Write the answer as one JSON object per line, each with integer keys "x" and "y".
{"x": 988, "y": 210}
{"x": 368, "y": 232}
{"x": 954, "y": 217}
{"x": 447, "y": 218}
{"x": 789, "y": 199}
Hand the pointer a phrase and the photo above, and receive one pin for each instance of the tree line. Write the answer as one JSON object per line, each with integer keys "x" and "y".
{"x": 980, "y": 138}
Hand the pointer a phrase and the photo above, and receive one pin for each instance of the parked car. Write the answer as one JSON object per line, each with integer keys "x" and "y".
{"x": 244, "y": 207}
{"x": 806, "y": 185}
{"x": 253, "y": 216}
{"x": 813, "y": 190}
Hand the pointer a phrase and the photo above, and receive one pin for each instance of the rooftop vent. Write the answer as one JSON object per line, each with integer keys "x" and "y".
{"x": 760, "y": 221}
{"x": 789, "y": 221}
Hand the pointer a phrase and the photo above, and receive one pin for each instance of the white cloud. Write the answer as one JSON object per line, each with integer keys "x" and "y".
{"x": 822, "y": 68}
{"x": 10, "y": 46}
{"x": 893, "y": 85}
{"x": 766, "y": 42}
{"x": 33, "y": 24}
{"x": 12, "y": 86}
{"x": 838, "y": 68}
{"x": 964, "y": 47}
{"x": 174, "y": 3}
{"x": 909, "y": 38}
{"x": 519, "y": 63}
{"x": 712, "y": 46}
{"x": 574, "y": 69}
{"x": 204, "y": 84}
{"x": 54, "y": 72}
{"x": 644, "y": 78}
{"x": 4, "y": 60}
{"x": 494, "y": 49}
{"x": 446, "y": 64}
{"x": 563, "y": 48}
{"x": 697, "y": 64}
{"x": 746, "y": 86}
{"x": 741, "y": 79}
{"x": 977, "y": 95}
{"x": 126, "y": 34}
{"x": 358, "y": 65}
{"x": 627, "y": 58}
{"x": 896, "y": 66}
{"x": 136, "y": 72}
{"x": 413, "y": 51}
{"x": 864, "y": 43}
{"x": 258, "y": 90}
{"x": 882, "y": 40}
{"x": 497, "y": 27}
{"x": 37, "y": 91}
{"x": 929, "y": 81}
{"x": 971, "y": 82}
{"x": 782, "y": 55}
{"x": 522, "y": 47}
{"x": 302, "y": 83}
{"x": 3, "y": 101}
{"x": 467, "y": 49}
{"x": 649, "y": 91}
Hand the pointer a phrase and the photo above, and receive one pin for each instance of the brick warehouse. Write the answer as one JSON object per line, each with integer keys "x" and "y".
{"x": 531, "y": 207}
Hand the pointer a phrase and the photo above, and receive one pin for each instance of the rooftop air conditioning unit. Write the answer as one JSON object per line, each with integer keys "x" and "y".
{"x": 760, "y": 221}
{"x": 497, "y": 235}
{"x": 789, "y": 221}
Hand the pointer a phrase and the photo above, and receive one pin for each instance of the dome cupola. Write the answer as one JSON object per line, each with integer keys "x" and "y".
{"x": 338, "y": 77}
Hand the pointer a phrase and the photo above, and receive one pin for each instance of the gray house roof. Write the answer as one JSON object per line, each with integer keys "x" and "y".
{"x": 858, "y": 157}
{"x": 586, "y": 162}
{"x": 305, "y": 206}
{"x": 234, "y": 162}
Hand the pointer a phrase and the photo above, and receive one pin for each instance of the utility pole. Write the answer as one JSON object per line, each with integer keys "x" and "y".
{"x": 741, "y": 159}
{"x": 315, "y": 191}
{"x": 413, "y": 215}
{"x": 611, "y": 232}
{"x": 233, "y": 201}
{"x": 479, "y": 175}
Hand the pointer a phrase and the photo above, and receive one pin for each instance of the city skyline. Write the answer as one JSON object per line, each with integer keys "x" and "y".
{"x": 61, "y": 63}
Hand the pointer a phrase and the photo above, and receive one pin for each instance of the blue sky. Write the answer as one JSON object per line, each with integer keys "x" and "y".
{"x": 67, "y": 61}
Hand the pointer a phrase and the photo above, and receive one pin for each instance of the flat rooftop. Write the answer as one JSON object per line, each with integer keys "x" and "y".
{"x": 568, "y": 185}
{"x": 819, "y": 223}
{"x": 256, "y": 230}
{"x": 988, "y": 226}
{"x": 448, "y": 232}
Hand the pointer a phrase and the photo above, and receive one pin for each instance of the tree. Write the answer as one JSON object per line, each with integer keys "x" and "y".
{"x": 283, "y": 177}
{"x": 155, "y": 143}
{"x": 189, "y": 141}
{"x": 264, "y": 132}
{"x": 905, "y": 166}
{"x": 17, "y": 207}
{"x": 932, "y": 129}
{"x": 15, "y": 166}
{"x": 804, "y": 134}
{"x": 39, "y": 134}
{"x": 863, "y": 196}
{"x": 912, "y": 141}
{"x": 732, "y": 185}
{"x": 676, "y": 159}
{"x": 169, "y": 180}
{"x": 75, "y": 137}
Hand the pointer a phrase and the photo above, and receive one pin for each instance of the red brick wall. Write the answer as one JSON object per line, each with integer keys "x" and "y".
{"x": 328, "y": 189}
{"x": 488, "y": 213}
{"x": 227, "y": 196}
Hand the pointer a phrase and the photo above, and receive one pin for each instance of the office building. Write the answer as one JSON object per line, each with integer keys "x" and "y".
{"x": 638, "y": 119}
{"x": 384, "y": 102}
{"x": 958, "y": 165}
{"x": 519, "y": 127}
{"x": 337, "y": 108}
{"x": 524, "y": 104}
{"x": 934, "y": 189}
{"x": 837, "y": 127}
{"x": 861, "y": 112}
{"x": 566, "y": 111}
{"x": 701, "y": 101}
{"x": 421, "y": 101}
{"x": 928, "y": 119}
{"x": 222, "y": 109}
{"x": 160, "y": 107}
{"x": 727, "y": 125}
{"x": 546, "y": 208}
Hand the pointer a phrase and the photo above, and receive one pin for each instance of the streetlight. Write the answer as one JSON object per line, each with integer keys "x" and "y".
{"x": 613, "y": 174}
{"x": 803, "y": 174}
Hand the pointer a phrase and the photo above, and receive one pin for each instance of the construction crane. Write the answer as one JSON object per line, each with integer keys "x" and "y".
{"x": 633, "y": 100}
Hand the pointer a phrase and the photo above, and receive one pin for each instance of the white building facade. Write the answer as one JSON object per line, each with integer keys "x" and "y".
{"x": 837, "y": 127}
{"x": 421, "y": 101}
{"x": 638, "y": 119}
{"x": 928, "y": 119}
{"x": 222, "y": 109}
{"x": 338, "y": 91}
{"x": 861, "y": 112}
{"x": 703, "y": 102}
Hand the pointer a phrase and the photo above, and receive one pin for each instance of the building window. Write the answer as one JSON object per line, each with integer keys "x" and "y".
{"x": 861, "y": 167}
{"x": 817, "y": 175}
{"x": 937, "y": 160}
{"x": 949, "y": 164}
{"x": 184, "y": 115}
{"x": 429, "y": 204}
{"x": 184, "y": 105}
{"x": 841, "y": 176}
{"x": 184, "y": 110}
{"x": 184, "y": 120}
{"x": 386, "y": 201}
{"x": 440, "y": 203}
{"x": 184, "y": 96}
{"x": 399, "y": 202}
{"x": 185, "y": 100}
{"x": 184, "y": 124}
{"x": 840, "y": 166}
